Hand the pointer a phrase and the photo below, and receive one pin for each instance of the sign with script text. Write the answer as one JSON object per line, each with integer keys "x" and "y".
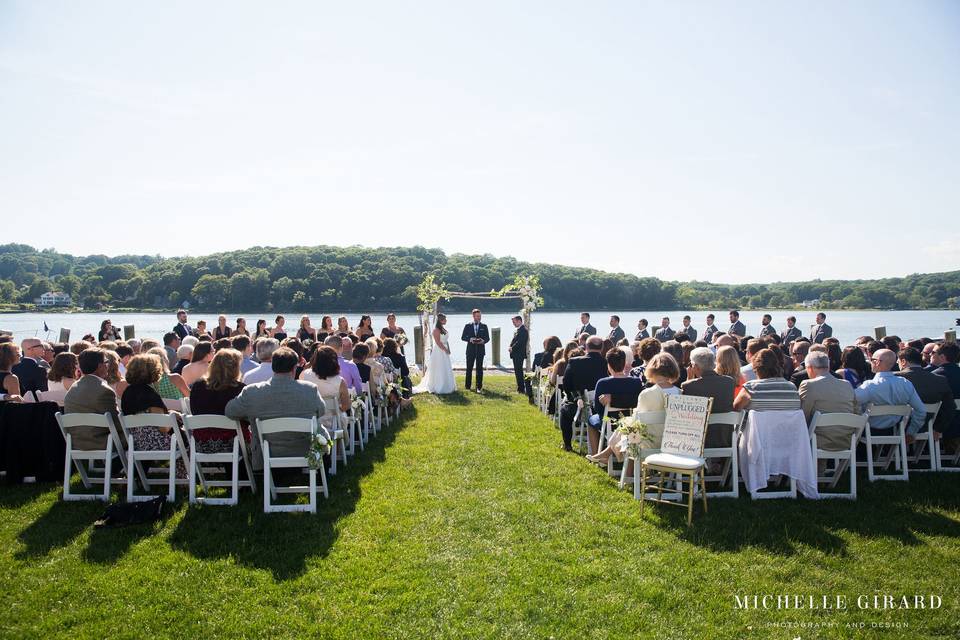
{"x": 685, "y": 425}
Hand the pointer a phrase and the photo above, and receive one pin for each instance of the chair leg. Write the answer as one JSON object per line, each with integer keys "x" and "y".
{"x": 689, "y": 500}
{"x": 853, "y": 473}
{"x": 172, "y": 473}
{"x": 643, "y": 487}
{"x": 313, "y": 491}
{"x": 107, "y": 470}
{"x": 192, "y": 474}
{"x": 703, "y": 489}
{"x": 267, "y": 484}
{"x": 235, "y": 480}
{"x": 130, "y": 476}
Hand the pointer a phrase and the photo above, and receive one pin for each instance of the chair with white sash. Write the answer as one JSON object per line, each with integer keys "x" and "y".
{"x": 274, "y": 427}
{"x": 948, "y": 461}
{"x": 679, "y": 456}
{"x": 136, "y": 457}
{"x": 92, "y": 424}
{"x": 200, "y": 463}
{"x": 895, "y": 440}
{"x": 843, "y": 459}
{"x": 728, "y": 455}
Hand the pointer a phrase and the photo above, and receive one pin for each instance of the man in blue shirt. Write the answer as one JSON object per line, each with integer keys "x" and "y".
{"x": 886, "y": 388}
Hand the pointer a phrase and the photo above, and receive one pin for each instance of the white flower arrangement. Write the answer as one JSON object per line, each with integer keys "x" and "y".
{"x": 359, "y": 403}
{"x": 319, "y": 447}
{"x": 634, "y": 434}
{"x": 401, "y": 338}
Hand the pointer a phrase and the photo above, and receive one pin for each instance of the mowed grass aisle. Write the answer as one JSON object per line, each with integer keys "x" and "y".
{"x": 467, "y": 520}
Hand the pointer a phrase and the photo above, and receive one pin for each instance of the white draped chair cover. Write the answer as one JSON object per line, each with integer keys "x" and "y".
{"x": 777, "y": 443}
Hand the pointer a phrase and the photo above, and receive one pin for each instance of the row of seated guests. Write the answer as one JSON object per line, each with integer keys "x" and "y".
{"x": 763, "y": 383}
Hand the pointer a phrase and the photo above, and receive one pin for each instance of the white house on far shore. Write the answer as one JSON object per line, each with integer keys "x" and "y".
{"x": 53, "y": 299}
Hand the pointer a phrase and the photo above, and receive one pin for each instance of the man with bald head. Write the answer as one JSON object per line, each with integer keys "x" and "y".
{"x": 886, "y": 388}
{"x": 32, "y": 376}
{"x": 582, "y": 374}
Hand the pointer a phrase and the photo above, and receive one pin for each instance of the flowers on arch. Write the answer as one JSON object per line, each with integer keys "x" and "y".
{"x": 527, "y": 288}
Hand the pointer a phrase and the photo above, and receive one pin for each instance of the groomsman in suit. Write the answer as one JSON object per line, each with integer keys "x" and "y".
{"x": 737, "y": 328}
{"x": 766, "y": 328}
{"x": 664, "y": 333}
{"x": 642, "y": 330}
{"x": 791, "y": 333}
{"x": 688, "y": 330}
{"x": 476, "y": 335}
{"x": 518, "y": 351}
{"x": 711, "y": 329}
{"x": 820, "y": 331}
{"x": 182, "y": 329}
{"x": 616, "y": 332}
{"x": 585, "y": 326}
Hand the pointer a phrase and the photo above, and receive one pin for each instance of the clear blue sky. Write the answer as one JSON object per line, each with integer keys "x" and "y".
{"x": 682, "y": 140}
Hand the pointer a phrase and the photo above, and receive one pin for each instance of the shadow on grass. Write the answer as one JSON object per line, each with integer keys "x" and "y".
{"x": 281, "y": 542}
{"x": 57, "y": 527}
{"x": 895, "y": 510}
{"x": 16, "y": 496}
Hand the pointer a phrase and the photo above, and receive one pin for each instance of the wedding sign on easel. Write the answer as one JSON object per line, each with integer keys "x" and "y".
{"x": 685, "y": 424}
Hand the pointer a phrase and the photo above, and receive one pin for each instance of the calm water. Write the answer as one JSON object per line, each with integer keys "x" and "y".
{"x": 847, "y": 325}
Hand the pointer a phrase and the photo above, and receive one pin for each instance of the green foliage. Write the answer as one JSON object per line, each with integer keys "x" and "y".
{"x": 381, "y": 279}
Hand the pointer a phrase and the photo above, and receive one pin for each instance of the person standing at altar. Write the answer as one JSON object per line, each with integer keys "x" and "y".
{"x": 664, "y": 333}
{"x": 737, "y": 328}
{"x": 687, "y": 329}
{"x": 518, "y": 352}
{"x": 711, "y": 329}
{"x": 642, "y": 331}
{"x": 791, "y": 333}
{"x": 767, "y": 329}
{"x": 585, "y": 326}
{"x": 616, "y": 331}
{"x": 820, "y": 331}
{"x": 182, "y": 329}
{"x": 476, "y": 335}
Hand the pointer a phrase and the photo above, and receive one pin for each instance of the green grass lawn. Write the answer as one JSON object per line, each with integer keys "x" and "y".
{"x": 467, "y": 520}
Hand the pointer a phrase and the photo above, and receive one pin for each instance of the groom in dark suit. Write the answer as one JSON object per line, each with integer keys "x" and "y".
{"x": 518, "y": 351}
{"x": 476, "y": 335}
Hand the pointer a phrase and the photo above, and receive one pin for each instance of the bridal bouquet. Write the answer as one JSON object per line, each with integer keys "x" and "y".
{"x": 634, "y": 434}
{"x": 319, "y": 447}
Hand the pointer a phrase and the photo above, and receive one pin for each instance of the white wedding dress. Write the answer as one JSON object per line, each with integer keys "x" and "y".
{"x": 439, "y": 376}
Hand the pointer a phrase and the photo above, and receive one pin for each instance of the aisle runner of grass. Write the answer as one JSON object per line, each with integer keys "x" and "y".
{"x": 467, "y": 520}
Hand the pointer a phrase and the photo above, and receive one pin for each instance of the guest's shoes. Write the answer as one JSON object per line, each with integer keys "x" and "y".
{"x": 567, "y": 448}
{"x": 597, "y": 459}
{"x": 480, "y": 391}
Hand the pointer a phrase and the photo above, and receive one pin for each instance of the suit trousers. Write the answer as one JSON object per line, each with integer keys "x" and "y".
{"x": 568, "y": 410}
{"x": 475, "y": 359}
{"x": 518, "y": 372}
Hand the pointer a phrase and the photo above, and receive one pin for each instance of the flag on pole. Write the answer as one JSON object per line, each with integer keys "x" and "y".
{"x": 45, "y": 327}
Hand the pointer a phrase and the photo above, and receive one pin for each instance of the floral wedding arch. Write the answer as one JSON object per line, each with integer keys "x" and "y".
{"x": 430, "y": 293}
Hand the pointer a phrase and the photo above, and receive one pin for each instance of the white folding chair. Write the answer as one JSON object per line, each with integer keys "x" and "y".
{"x": 895, "y": 440}
{"x": 654, "y": 421}
{"x": 580, "y": 421}
{"x": 306, "y": 426}
{"x": 922, "y": 449}
{"x": 844, "y": 458}
{"x": 949, "y": 462}
{"x": 332, "y": 421}
{"x": 354, "y": 426}
{"x": 173, "y": 405}
{"x": 369, "y": 424}
{"x": 136, "y": 457}
{"x": 68, "y": 423}
{"x": 233, "y": 458}
{"x": 729, "y": 455}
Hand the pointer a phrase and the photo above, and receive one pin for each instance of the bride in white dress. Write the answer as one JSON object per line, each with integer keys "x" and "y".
{"x": 439, "y": 376}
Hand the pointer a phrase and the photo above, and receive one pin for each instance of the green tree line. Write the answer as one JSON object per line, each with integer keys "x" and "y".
{"x": 363, "y": 279}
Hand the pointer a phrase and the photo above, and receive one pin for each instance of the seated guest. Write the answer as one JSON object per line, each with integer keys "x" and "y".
{"x": 209, "y": 396}
{"x": 798, "y": 352}
{"x": 139, "y": 396}
{"x": 63, "y": 373}
{"x": 242, "y": 344}
{"x": 30, "y": 374}
{"x": 124, "y": 353}
{"x": 114, "y": 379}
{"x": 885, "y": 388}
{"x": 675, "y": 349}
{"x": 241, "y": 329}
{"x": 392, "y": 351}
{"x": 281, "y": 396}
{"x": 769, "y": 391}
{"x": 728, "y": 364}
{"x": 91, "y": 394}
{"x": 184, "y": 357}
{"x": 76, "y": 348}
{"x": 360, "y": 353}
{"x": 388, "y": 368}
{"x": 647, "y": 348}
{"x": 581, "y": 374}
{"x": 9, "y": 383}
{"x": 147, "y": 344}
{"x": 662, "y": 372}
{"x": 324, "y": 373}
{"x": 753, "y": 347}
{"x": 306, "y": 332}
{"x": 930, "y": 387}
{"x": 279, "y": 332}
{"x": 927, "y": 352}
{"x": 202, "y": 355}
{"x": 703, "y": 380}
{"x": 265, "y": 348}
{"x": 171, "y": 342}
{"x": 171, "y": 385}
{"x": 617, "y": 391}
{"x": 544, "y": 359}
{"x": 348, "y": 371}
{"x": 664, "y": 333}
{"x": 221, "y": 330}
{"x": 364, "y": 330}
{"x": 824, "y": 393}
{"x": 945, "y": 357}
{"x": 854, "y": 368}
{"x": 376, "y": 369}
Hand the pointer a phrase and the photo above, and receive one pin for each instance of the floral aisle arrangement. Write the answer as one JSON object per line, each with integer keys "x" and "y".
{"x": 634, "y": 434}
{"x": 319, "y": 447}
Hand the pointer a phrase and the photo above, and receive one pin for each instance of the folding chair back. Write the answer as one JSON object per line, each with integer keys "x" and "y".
{"x": 845, "y": 458}
{"x": 729, "y": 455}
{"x": 895, "y": 440}
{"x": 92, "y": 424}
{"x": 239, "y": 452}
{"x": 924, "y": 445}
{"x": 273, "y": 426}
{"x": 136, "y": 457}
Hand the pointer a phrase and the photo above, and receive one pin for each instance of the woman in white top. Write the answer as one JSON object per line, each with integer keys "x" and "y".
{"x": 63, "y": 372}
{"x": 324, "y": 371}
{"x": 663, "y": 371}
{"x": 202, "y": 355}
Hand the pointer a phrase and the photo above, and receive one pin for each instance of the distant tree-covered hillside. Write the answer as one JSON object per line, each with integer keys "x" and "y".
{"x": 358, "y": 279}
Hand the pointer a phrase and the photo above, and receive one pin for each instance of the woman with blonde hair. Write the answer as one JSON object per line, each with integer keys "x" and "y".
{"x": 113, "y": 372}
{"x": 728, "y": 364}
{"x": 209, "y": 395}
{"x": 171, "y": 385}
{"x": 306, "y": 332}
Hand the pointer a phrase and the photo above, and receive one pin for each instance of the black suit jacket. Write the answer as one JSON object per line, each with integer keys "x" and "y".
{"x": 32, "y": 376}
{"x": 180, "y": 331}
{"x": 712, "y": 385}
{"x": 483, "y": 334}
{"x": 589, "y": 330}
{"x": 951, "y": 372}
{"x": 933, "y": 388}
{"x": 616, "y": 334}
{"x": 518, "y": 344}
{"x": 583, "y": 372}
